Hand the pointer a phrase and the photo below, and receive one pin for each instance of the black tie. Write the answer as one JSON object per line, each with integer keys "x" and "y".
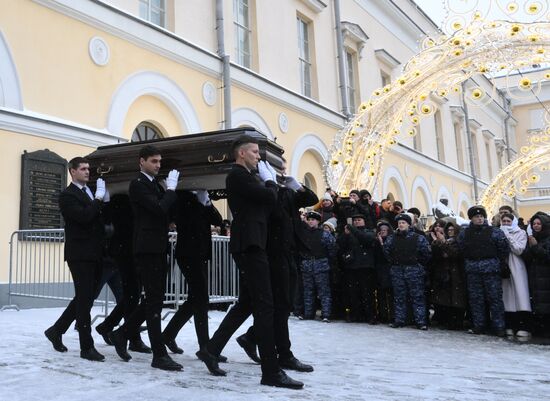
{"x": 85, "y": 192}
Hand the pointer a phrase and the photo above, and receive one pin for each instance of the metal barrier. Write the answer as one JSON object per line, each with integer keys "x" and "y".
{"x": 37, "y": 270}
{"x": 223, "y": 280}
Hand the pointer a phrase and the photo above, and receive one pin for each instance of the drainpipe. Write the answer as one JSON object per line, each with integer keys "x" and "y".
{"x": 341, "y": 64}
{"x": 226, "y": 67}
{"x": 507, "y": 136}
{"x": 469, "y": 139}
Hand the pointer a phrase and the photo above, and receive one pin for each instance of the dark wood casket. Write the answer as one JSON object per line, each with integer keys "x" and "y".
{"x": 203, "y": 159}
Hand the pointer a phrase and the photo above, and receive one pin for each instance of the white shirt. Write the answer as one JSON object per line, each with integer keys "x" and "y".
{"x": 151, "y": 178}
{"x": 88, "y": 190}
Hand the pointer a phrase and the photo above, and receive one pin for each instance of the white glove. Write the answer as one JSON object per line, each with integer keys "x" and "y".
{"x": 107, "y": 196}
{"x": 292, "y": 183}
{"x": 172, "y": 180}
{"x": 100, "y": 189}
{"x": 272, "y": 171}
{"x": 202, "y": 196}
{"x": 263, "y": 171}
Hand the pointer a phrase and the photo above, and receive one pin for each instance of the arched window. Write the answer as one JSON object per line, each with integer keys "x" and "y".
{"x": 310, "y": 182}
{"x": 145, "y": 132}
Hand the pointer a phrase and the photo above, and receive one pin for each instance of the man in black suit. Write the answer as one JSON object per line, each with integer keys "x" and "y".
{"x": 285, "y": 233}
{"x": 151, "y": 206}
{"x": 84, "y": 234}
{"x": 194, "y": 215}
{"x": 250, "y": 202}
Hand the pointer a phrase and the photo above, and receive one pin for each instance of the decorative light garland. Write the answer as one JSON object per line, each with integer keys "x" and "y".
{"x": 492, "y": 48}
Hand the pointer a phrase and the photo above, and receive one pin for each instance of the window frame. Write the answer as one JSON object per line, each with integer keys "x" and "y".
{"x": 150, "y": 9}
{"x": 304, "y": 56}
{"x": 243, "y": 56}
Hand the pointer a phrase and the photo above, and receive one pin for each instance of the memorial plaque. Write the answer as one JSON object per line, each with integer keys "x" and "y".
{"x": 44, "y": 176}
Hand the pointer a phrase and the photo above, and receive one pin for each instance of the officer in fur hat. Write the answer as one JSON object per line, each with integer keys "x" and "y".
{"x": 317, "y": 247}
{"x": 408, "y": 253}
{"x": 485, "y": 250}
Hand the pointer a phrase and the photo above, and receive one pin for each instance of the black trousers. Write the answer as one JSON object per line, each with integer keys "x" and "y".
{"x": 131, "y": 293}
{"x": 86, "y": 278}
{"x": 256, "y": 297}
{"x": 152, "y": 270}
{"x": 196, "y": 305}
{"x": 283, "y": 281}
{"x": 361, "y": 287}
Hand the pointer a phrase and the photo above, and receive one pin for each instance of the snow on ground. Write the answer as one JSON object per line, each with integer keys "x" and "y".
{"x": 352, "y": 362}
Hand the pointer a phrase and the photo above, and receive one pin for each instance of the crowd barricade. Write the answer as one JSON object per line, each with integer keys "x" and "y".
{"x": 223, "y": 281}
{"x": 37, "y": 270}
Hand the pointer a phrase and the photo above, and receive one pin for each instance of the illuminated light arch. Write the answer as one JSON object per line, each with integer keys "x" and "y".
{"x": 357, "y": 152}
{"x": 522, "y": 169}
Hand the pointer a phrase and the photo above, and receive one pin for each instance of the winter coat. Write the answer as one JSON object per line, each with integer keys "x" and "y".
{"x": 423, "y": 250}
{"x": 538, "y": 262}
{"x": 360, "y": 245}
{"x": 383, "y": 266}
{"x": 487, "y": 265}
{"x": 515, "y": 290}
{"x": 447, "y": 277}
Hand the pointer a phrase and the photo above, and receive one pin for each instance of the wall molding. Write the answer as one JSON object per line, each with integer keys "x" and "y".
{"x": 45, "y": 126}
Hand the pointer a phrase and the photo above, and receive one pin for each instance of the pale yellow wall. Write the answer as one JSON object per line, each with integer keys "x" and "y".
{"x": 153, "y": 110}
{"x": 10, "y": 165}
{"x": 87, "y": 89}
{"x": 310, "y": 164}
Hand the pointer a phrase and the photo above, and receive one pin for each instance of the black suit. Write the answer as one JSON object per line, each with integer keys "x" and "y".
{"x": 84, "y": 234}
{"x": 150, "y": 206}
{"x": 250, "y": 202}
{"x": 285, "y": 232}
{"x": 193, "y": 250}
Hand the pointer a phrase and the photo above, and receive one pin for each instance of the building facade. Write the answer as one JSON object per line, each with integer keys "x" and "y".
{"x": 78, "y": 74}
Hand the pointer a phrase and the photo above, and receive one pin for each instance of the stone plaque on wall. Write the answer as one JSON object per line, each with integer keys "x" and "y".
{"x": 43, "y": 177}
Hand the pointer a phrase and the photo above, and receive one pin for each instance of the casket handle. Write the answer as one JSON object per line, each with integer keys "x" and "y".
{"x": 212, "y": 160}
{"x": 104, "y": 170}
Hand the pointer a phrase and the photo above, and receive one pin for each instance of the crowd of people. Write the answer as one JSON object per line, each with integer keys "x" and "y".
{"x": 351, "y": 257}
{"x": 382, "y": 266}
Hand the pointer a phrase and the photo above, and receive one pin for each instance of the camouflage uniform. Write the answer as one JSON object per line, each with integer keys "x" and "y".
{"x": 316, "y": 275}
{"x": 483, "y": 278}
{"x": 408, "y": 279}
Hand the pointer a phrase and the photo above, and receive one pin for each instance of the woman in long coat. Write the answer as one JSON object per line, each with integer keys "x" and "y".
{"x": 515, "y": 289}
{"x": 447, "y": 276}
{"x": 537, "y": 256}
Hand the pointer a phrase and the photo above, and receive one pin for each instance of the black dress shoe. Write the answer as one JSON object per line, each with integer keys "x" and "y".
{"x": 280, "y": 379}
{"x": 396, "y": 325}
{"x": 55, "y": 338}
{"x": 172, "y": 346}
{"x": 120, "y": 343}
{"x": 211, "y": 362}
{"x": 221, "y": 358}
{"x": 293, "y": 363}
{"x": 139, "y": 346}
{"x": 165, "y": 363}
{"x": 92, "y": 355}
{"x": 104, "y": 332}
{"x": 249, "y": 347}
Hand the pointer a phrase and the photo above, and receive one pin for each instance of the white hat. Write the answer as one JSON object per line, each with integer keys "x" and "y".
{"x": 326, "y": 196}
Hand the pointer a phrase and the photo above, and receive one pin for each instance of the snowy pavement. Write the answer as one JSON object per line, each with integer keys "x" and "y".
{"x": 352, "y": 362}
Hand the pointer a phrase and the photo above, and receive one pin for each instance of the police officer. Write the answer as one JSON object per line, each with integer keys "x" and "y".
{"x": 408, "y": 253}
{"x": 485, "y": 250}
{"x": 317, "y": 248}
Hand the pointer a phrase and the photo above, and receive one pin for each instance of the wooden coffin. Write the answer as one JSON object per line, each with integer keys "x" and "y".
{"x": 203, "y": 159}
